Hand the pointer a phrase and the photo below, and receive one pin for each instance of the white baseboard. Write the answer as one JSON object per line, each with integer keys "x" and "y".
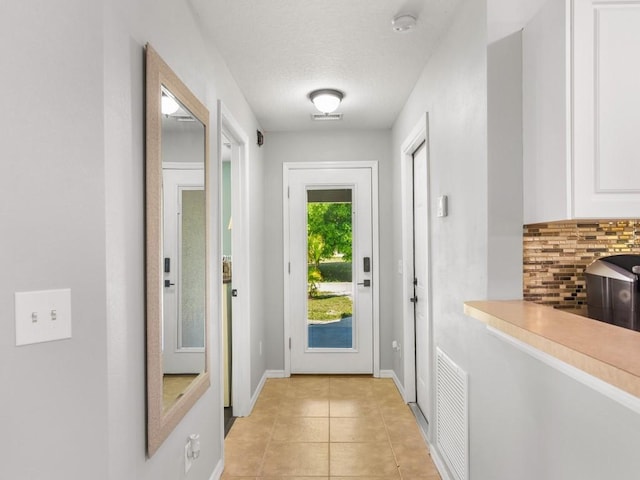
{"x": 217, "y": 472}
{"x": 392, "y": 374}
{"x": 437, "y": 459}
{"x": 265, "y": 375}
{"x": 435, "y": 455}
{"x": 256, "y": 394}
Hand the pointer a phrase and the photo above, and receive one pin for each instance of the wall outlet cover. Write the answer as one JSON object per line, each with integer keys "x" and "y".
{"x": 187, "y": 459}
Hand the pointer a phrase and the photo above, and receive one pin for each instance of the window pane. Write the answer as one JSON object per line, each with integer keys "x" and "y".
{"x": 330, "y": 277}
{"x": 192, "y": 292}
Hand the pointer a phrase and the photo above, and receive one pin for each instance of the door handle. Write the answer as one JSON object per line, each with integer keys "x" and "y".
{"x": 365, "y": 283}
{"x": 167, "y": 284}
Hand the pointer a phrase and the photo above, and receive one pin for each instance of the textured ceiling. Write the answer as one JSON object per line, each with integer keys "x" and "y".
{"x": 280, "y": 50}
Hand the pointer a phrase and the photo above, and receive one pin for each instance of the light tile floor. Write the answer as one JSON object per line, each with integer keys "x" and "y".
{"x": 328, "y": 427}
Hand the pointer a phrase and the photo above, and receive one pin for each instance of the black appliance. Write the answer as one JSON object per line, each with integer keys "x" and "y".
{"x": 613, "y": 290}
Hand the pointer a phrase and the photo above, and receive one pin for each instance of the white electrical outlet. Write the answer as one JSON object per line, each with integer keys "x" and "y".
{"x": 187, "y": 458}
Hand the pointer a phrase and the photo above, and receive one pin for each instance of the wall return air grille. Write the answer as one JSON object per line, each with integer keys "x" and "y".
{"x": 452, "y": 426}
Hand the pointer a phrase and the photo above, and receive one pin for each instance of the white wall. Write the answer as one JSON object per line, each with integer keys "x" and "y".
{"x": 527, "y": 421}
{"x": 170, "y": 27}
{"x": 182, "y": 142}
{"x": 532, "y": 422}
{"x": 72, "y": 196}
{"x": 330, "y": 146}
{"x": 504, "y": 131}
{"x": 54, "y": 395}
{"x": 452, "y": 89}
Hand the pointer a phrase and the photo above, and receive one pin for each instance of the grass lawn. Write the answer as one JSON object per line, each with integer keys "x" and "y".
{"x": 329, "y": 307}
{"x": 335, "y": 271}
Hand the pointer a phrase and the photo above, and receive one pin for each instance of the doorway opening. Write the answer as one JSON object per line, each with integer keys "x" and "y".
{"x": 227, "y": 278}
{"x": 235, "y": 295}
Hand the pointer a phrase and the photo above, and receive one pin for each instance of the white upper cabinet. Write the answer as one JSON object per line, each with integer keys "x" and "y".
{"x": 581, "y": 111}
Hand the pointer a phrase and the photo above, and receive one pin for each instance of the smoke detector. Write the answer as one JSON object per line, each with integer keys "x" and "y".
{"x": 403, "y": 23}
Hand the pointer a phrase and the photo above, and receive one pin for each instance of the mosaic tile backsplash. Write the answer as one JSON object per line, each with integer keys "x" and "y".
{"x": 556, "y": 254}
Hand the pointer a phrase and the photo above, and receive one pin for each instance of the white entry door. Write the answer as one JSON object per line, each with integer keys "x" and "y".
{"x": 184, "y": 271}
{"x": 420, "y": 269}
{"x": 331, "y": 265}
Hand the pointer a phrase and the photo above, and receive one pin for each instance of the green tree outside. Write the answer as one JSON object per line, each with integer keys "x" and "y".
{"x": 332, "y": 222}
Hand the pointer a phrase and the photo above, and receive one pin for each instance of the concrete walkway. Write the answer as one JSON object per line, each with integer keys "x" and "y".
{"x": 340, "y": 288}
{"x": 331, "y": 335}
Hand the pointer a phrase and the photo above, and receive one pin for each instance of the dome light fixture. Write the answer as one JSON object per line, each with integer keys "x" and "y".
{"x": 403, "y": 23}
{"x": 326, "y": 100}
{"x": 169, "y": 104}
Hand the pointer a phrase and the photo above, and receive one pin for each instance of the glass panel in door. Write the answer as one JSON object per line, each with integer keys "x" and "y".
{"x": 329, "y": 269}
{"x": 192, "y": 275}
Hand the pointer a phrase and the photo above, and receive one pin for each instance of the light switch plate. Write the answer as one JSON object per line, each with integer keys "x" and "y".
{"x": 442, "y": 206}
{"x": 42, "y": 316}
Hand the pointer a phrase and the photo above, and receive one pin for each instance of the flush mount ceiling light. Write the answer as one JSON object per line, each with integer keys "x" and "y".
{"x": 403, "y": 23}
{"x": 169, "y": 104}
{"x": 326, "y": 100}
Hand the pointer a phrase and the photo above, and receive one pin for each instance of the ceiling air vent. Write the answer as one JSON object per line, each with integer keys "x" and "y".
{"x": 323, "y": 117}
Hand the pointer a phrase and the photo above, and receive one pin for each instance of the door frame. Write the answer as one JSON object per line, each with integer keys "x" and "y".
{"x": 286, "y": 167}
{"x": 418, "y": 135}
{"x": 241, "y": 325}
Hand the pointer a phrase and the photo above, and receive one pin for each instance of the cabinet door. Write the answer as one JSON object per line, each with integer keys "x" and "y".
{"x": 606, "y": 108}
{"x": 546, "y": 111}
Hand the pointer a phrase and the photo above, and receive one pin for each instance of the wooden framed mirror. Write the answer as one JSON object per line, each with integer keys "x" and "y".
{"x": 177, "y": 249}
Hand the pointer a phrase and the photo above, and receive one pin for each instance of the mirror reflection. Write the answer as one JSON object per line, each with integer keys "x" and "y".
{"x": 183, "y": 247}
{"x": 178, "y": 249}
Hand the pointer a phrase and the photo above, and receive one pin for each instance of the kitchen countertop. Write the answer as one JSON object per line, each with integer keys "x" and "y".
{"x": 604, "y": 351}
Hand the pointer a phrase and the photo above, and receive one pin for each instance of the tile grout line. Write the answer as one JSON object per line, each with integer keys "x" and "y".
{"x": 329, "y": 439}
{"x": 393, "y": 450}
{"x": 271, "y": 433}
{"x": 379, "y": 403}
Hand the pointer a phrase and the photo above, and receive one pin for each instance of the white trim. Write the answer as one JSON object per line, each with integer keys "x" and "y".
{"x": 375, "y": 222}
{"x": 418, "y": 134}
{"x": 620, "y": 396}
{"x": 241, "y": 325}
{"x": 286, "y": 266}
{"x": 182, "y": 166}
{"x": 392, "y": 374}
{"x": 217, "y": 472}
{"x": 433, "y": 449}
{"x": 258, "y": 391}
{"x": 438, "y": 461}
{"x": 376, "y": 251}
{"x": 266, "y": 375}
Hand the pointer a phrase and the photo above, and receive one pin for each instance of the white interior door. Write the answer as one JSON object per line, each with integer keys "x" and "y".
{"x": 331, "y": 339}
{"x": 420, "y": 258}
{"x": 183, "y": 294}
